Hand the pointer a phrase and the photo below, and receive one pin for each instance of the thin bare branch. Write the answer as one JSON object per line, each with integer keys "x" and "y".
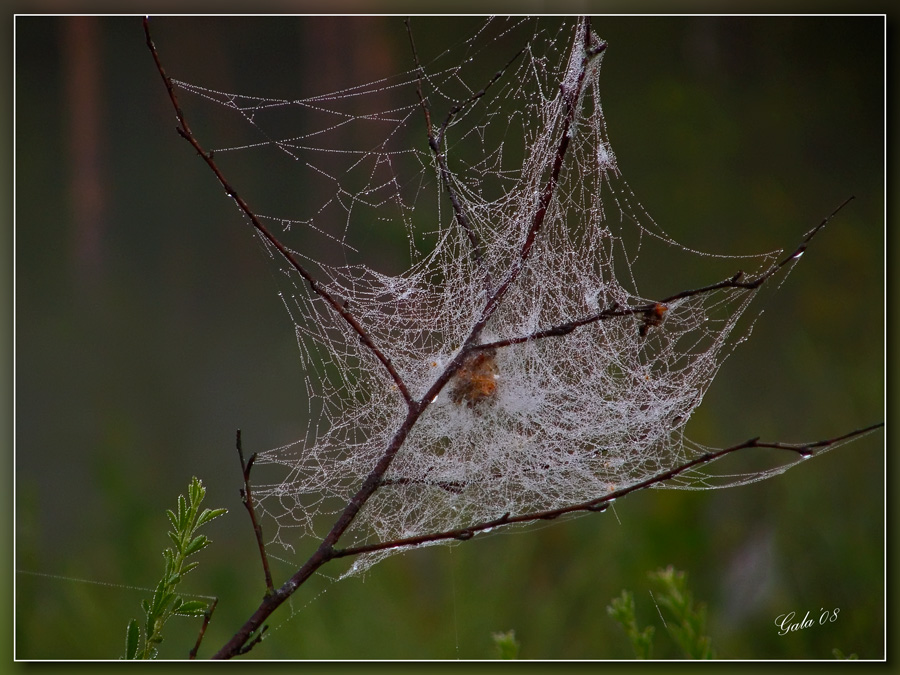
{"x": 325, "y": 551}
{"x": 239, "y": 642}
{"x": 207, "y": 615}
{"x": 453, "y": 486}
{"x": 434, "y": 142}
{"x": 459, "y": 107}
{"x": 420, "y": 74}
{"x": 570, "y": 99}
{"x": 736, "y": 281}
{"x": 601, "y": 503}
{"x": 247, "y": 500}
{"x": 341, "y": 308}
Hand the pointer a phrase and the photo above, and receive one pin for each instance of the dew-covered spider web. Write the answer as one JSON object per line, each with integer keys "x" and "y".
{"x": 415, "y": 256}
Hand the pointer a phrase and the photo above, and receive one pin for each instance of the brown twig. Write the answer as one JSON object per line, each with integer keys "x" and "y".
{"x": 737, "y": 281}
{"x": 325, "y": 551}
{"x": 207, "y": 615}
{"x": 341, "y": 308}
{"x": 600, "y": 503}
{"x": 247, "y": 500}
{"x": 435, "y": 142}
{"x": 243, "y": 640}
{"x": 570, "y": 99}
{"x": 453, "y": 486}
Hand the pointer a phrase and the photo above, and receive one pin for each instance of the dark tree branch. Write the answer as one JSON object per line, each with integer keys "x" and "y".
{"x": 435, "y": 142}
{"x": 339, "y": 307}
{"x": 420, "y": 74}
{"x": 325, "y": 551}
{"x": 600, "y": 503}
{"x": 453, "y": 486}
{"x": 247, "y": 500}
{"x": 570, "y": 100}
{"x": 207, "y": 615}
{"x": 737, "y": 281}
{"x": 244, "y": 639}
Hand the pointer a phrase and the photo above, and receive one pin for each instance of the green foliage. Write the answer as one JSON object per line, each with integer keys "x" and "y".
{"x": 687, "y": 624}
{"x": 506, "y": 644}
{"x": 838, "y": 654}
{"x": 690, "y": 620}
{"x": 622, "y": 610}
{"x": 165, "y": 603}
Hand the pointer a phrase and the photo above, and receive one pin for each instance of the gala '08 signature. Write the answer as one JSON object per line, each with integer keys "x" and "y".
{"x": 786, "y": 622}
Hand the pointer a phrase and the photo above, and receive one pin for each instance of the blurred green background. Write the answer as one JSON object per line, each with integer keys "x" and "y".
{"x": 148, "y": 329}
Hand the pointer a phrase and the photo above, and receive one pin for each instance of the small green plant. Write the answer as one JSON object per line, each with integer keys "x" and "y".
{"x": 622, "y": 610}
{"x": 688, "y": 627}
{"x": 506, "y": 644}
{"x": 165, "y": 603}
{"x": 838, "y": 654}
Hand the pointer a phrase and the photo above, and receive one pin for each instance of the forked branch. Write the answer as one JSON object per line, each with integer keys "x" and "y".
{"x": 436, "y": 142}
{"x": 247, "y": 499}
{"x": 207, "y": 616}
{"x": 571, "y": 95}
{"x": 251, "y": 632}
{"x": 570, "y": 99}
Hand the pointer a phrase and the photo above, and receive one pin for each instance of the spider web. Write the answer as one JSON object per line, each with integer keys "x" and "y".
{"x": 556, "y": 421}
